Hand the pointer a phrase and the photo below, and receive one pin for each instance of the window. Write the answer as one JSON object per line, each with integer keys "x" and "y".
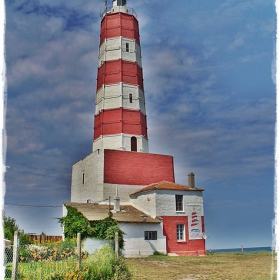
{"x": 83, "y": 178}
{"x": 126, "y": 47}
{"x": 130, "y": 98}
{"x": 150, "y": 235}
{"x": 180, "y": 232}
{"x": 179, "y": 202}
{"x": 121, "y": 2}
{"x": 133, "y": 144}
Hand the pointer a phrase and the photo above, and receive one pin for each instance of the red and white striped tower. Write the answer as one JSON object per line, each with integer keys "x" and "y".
{"x": 120, "y": 115}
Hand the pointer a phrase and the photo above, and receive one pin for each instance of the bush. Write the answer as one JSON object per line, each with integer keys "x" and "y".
{"x": 121, "y": 270}
{"x": 49, "y": 251}
{"x": 105, "y": 265}
{"x": 157, "y": 253}
{"x": 110, "y": 235}
{"x": 102, "y": 265}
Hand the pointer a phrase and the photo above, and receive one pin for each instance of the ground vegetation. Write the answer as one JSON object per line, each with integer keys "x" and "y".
{"x": 215, "y": 266}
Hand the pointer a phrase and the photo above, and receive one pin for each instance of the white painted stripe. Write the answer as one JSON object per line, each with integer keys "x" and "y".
{"x": 120, "y": 142}
{"x": 116, "y": 48}
{"x": 118, "y": 95}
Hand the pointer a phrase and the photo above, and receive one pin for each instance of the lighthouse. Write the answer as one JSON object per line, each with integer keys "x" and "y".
{"x": 156, "y": 213}
{"x": 120, "y": 120}
{"x": 120, "y": 150}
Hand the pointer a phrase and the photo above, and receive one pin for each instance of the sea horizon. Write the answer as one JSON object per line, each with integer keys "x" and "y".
{"x": 241, "y": 249}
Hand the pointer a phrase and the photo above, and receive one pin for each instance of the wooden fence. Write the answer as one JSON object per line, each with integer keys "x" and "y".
{"x": 44, "y": 238}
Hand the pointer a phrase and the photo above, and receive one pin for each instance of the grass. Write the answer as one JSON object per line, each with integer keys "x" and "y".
{"x": 215, "y": 266}
{"x": 102, "y": 265}
{"x": 42, "y": 270}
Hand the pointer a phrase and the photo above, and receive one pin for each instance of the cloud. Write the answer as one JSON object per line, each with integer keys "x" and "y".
{"x": 239, "y": 41}
{"x": 206, "y": 106}
{"x": 226, "y": 140}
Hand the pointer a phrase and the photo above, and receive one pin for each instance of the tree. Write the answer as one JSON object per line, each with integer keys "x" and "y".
{"x": 10, "y": 227}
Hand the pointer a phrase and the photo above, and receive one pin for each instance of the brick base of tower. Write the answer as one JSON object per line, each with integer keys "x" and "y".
{"x": 96, "y": 177}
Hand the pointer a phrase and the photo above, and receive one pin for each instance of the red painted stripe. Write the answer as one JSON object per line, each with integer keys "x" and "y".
{"x": 119, "y": 24}
{"x": 116, "y": 71}
{"x": 120, "y": 120}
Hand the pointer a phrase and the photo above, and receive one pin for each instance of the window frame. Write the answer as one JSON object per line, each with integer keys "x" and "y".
{"x": 133, "y": 144}
{"x": 181, "y": 234}
{"x": 127, "y": 47}
{"x": 83, "y": 178}
{"x": 179, "y": 205}
{"x": 150, "y": 235}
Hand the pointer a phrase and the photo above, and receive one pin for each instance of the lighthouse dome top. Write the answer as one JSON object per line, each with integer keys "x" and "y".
{"x": 119, "y": 6}
{"x": 119, "y": 3}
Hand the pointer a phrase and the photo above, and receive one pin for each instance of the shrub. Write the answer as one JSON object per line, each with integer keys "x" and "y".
{"x": 105, "y": 265}
{"x": 121, "y": 270}
{"x": 49, "y": 251}
{"x": 157, "y": 253}
{"x": 102, "y": 265}
{"x": 75, "y": 222}
{"x": 110, "y": 235}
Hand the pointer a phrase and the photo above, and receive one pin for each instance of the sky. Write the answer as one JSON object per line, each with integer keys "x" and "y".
{"x": 209, "y": 78}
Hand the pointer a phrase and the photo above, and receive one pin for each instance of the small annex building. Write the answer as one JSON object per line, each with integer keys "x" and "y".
{"x": 165, "y": 217}
{"x": 132, "y": 221}
{"x": 155, "y": 212}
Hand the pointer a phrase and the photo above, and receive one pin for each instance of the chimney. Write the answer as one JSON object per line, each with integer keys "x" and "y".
{"x": 191, "y": 180}
{"x": 117, "y": 201}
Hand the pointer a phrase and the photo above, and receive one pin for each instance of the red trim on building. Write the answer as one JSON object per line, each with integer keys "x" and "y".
{"x": 120, "y": 120}
{"x": 132, "y": 168}
{"x": 183, "y": 248}
{"x": 119, "y": 24}
{"x": 116, "y": 71}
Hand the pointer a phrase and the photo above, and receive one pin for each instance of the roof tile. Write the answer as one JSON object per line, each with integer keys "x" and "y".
{"x": 165, "y": 185}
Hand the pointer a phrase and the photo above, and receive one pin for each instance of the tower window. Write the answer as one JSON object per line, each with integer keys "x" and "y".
{"x": 179, "y": 202}
{"x": 130, "y": 98}
{"x": 133, "y": 144}
{"x": 83, "y": 178}
{"x": 126, "y": 47}
{"x": 180, "y": 232}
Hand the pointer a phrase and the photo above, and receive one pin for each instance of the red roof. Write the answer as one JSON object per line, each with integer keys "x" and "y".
{"x": 165, "y": 185}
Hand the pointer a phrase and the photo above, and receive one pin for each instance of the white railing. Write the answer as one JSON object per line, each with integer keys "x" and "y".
{"x": 117, "y": 9}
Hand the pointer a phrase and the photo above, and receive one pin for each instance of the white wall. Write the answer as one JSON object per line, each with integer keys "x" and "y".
{"x": 166, "y": 203}
{"x": 115, "y": 48}
{"x": 138, "y": 99}
{"x": 117, "y": 96}
{"x": 93, "y": 168}
{"x": 92, "y": 244}
{"x": 162, "y": 202}
{"x": 145, "y": 202}
{"x": 112, "y": 142}
{"x": 135, "y": 243}
{"x": 120, "y": 142}
{"x": 134, "y": 240}
{"x": 123, "y": 192}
